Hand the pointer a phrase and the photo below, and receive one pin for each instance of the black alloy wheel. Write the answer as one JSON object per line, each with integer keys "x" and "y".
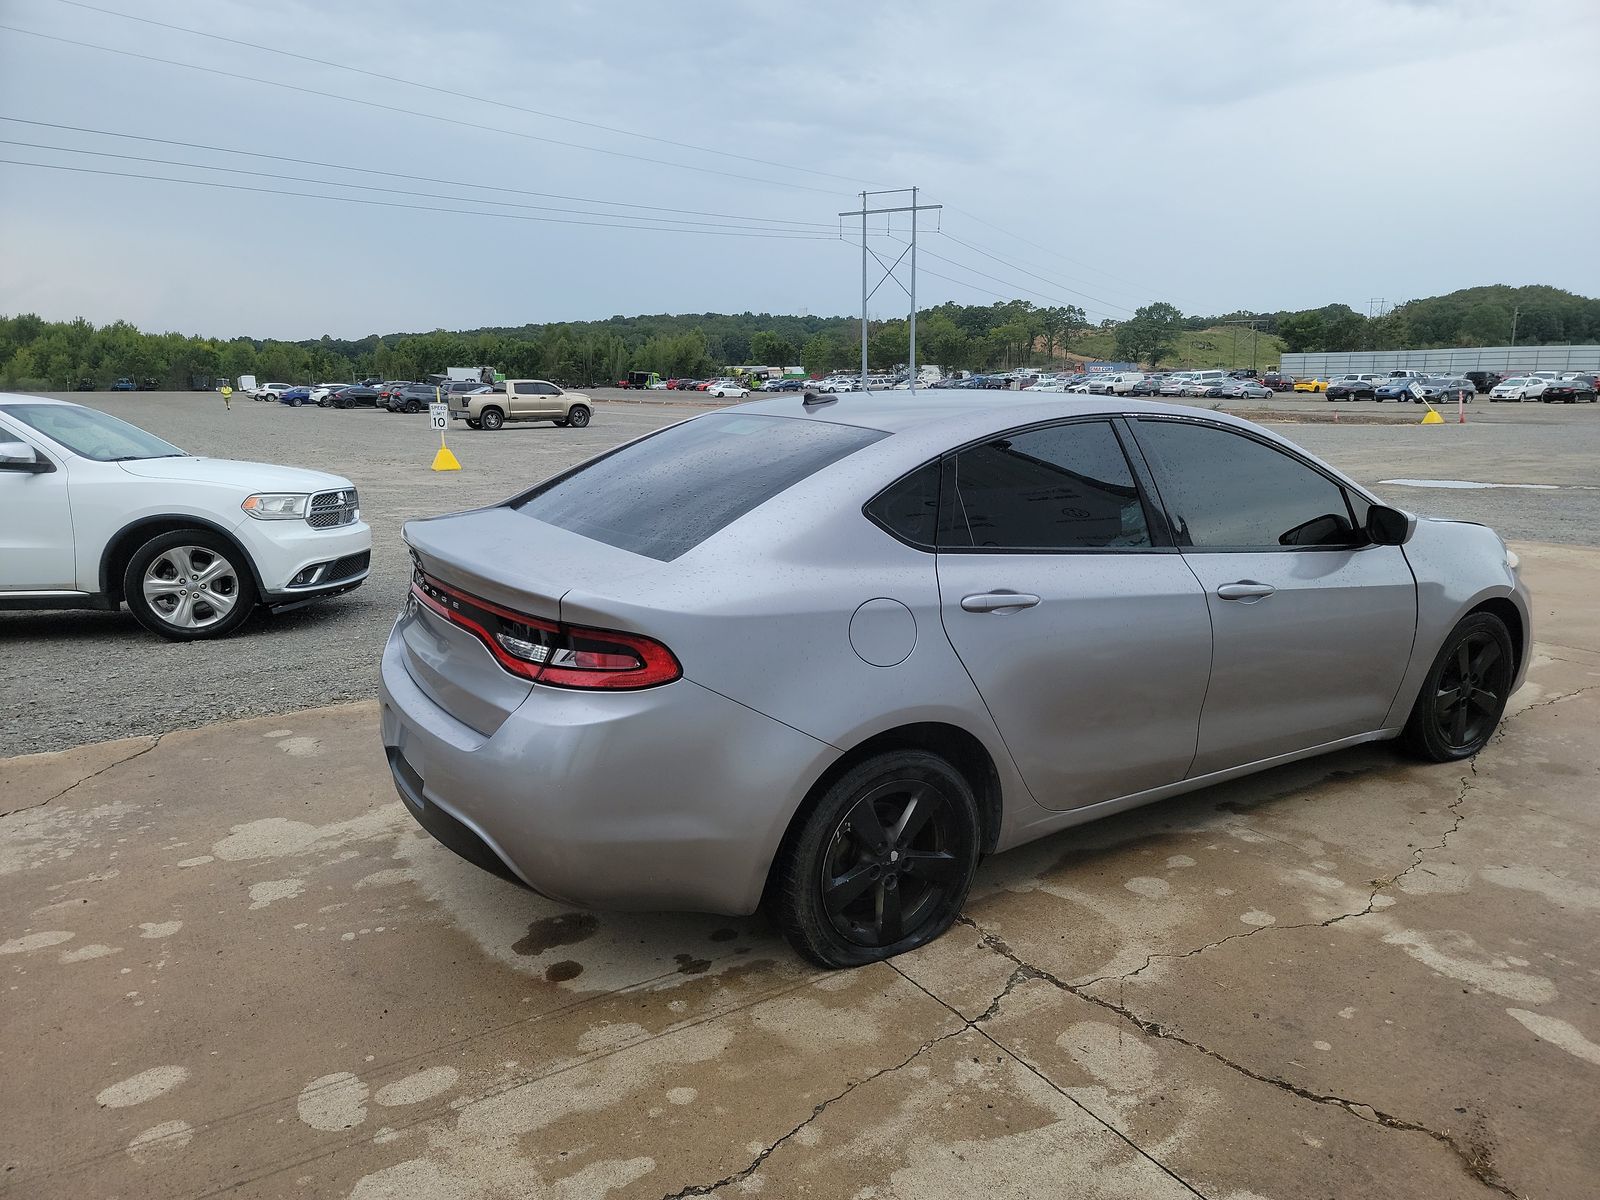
{"x": 578, "y": 418}
{"x": 881, "y": 863}
{"x": 1465, "y": 692}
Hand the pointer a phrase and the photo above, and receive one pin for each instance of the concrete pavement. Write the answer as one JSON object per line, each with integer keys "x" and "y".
{"x": 231, "y": 963}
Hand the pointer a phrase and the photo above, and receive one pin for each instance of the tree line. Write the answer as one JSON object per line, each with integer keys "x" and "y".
{"x": 36, "y": 354}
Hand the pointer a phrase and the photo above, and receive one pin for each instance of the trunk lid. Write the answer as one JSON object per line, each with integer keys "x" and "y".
{"x": 507, "y": 559}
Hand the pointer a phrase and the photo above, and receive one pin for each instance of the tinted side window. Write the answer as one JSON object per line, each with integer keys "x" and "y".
{"x": 1225, "y": 491}
{"x": 527, "y": 389}
{"x": 547, "y": 389}
{"x": 664, "y": 494}
{"x": 1065, "y": 487}
{"x": 909, "y": 507}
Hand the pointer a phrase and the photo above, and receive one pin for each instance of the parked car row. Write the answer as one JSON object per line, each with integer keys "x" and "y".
{"x": 1572, "y": 388}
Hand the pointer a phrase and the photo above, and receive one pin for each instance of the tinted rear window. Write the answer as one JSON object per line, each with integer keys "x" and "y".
{"x": 664, "y": 495}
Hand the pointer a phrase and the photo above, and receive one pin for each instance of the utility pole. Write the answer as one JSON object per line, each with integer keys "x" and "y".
{"x": 1515, "y": 313}
{"x": 889, "y": 268}
{"x": 864, "y": 293}
{"x": 912, "y": 353}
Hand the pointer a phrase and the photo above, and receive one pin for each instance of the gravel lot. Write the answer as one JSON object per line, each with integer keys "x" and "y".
{"x": 77, "y": 677}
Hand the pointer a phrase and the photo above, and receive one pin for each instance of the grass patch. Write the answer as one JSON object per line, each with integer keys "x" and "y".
{"x": 1225, "y": 346}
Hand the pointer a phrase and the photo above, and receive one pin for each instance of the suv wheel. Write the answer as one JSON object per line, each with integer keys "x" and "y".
{"x": 492, "y": 419}
{"x": 189, "y": 584}
{"x": 881, "y": 863}
{"x": 413, "y": 406}
{"x": 578, "y": 417}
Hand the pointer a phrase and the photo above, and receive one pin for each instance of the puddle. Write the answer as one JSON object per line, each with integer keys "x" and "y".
{"x": 1469, "y": 484}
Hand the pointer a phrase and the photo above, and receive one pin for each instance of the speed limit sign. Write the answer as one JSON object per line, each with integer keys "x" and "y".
{"x": 440, "y": 413}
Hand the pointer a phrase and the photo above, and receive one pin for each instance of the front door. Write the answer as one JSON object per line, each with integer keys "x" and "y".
{"x": 1089, "y": 641}
{"x": 535, "y": 398}
{"x": 37, "y": 553}
{"x": 1312, "y": 625}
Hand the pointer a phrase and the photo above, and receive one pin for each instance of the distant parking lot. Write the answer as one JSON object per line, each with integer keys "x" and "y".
{"x": 329, "y": 652}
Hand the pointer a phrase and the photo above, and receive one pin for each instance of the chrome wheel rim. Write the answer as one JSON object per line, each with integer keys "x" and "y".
{"x": 890, "y": 866}
{"x": 191, "y": 587}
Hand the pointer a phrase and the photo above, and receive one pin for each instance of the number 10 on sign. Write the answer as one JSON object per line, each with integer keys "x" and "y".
{"x": 439, "y": 415}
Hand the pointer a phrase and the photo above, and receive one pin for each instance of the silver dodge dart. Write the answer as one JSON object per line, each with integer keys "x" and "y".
{"x": 824, "y": 653}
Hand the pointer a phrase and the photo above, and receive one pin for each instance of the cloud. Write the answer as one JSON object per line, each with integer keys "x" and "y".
{"x": 1219, "y": 155}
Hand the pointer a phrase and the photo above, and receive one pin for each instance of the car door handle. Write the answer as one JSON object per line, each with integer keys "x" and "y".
{"x": 998, "y": 602}
{"x": 1247, "y": 590}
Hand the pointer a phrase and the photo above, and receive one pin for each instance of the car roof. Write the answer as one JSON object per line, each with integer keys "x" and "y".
{"x": 25, "y": 398}
{"x": 956, "y": 416}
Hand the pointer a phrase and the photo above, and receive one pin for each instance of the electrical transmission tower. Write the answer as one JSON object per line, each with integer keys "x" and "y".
{"x": 889, "y": 268}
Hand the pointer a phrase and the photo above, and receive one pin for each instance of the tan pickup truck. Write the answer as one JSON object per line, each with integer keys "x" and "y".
{"x": 521, "y": 400}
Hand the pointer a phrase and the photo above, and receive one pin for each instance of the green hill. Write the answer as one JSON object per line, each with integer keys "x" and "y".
{"x": 1225, "y": 346}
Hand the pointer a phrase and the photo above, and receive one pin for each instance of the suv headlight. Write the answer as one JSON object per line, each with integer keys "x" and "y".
{"x": 276, "y": 506}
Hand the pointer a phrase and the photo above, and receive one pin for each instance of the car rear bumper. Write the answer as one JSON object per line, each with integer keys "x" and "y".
{"x": 667, "y": 798}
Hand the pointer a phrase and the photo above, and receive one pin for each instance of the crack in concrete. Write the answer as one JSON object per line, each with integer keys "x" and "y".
{"x": 1378, "y": 887}
{"x": 1021, "y": 974}
{"x": 1473, "y": 1158}
{"x": 48, "y": 800}
{"x": 1546, "y": 703}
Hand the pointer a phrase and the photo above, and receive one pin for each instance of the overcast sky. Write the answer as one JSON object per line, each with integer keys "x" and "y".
{"x": 1219, "y": 155}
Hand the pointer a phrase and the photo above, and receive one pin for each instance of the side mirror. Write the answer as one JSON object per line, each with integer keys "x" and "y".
{"x": 1389, "y": 526}
{"x": 19, "y": 456}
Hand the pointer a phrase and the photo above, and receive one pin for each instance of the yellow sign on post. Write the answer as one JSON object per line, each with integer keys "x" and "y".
{"x": 440, "y": 414}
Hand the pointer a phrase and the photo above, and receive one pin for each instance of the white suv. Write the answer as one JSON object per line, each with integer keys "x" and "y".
{"x": 95, "y": 512}
{"x": 270, "y": 391}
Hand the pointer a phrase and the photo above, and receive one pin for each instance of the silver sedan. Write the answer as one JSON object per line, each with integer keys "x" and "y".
{"x": 823, "y": 654}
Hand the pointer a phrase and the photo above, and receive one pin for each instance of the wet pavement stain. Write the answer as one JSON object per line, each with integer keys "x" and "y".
{"x": 724, "y": 935}
{"x": 688, "y": 964}
{"x": 562, "y": 971}
{"x": 549, "y": 932}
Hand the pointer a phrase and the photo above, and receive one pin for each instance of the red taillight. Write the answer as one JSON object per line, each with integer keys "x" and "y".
{"x": 548, "y": 652}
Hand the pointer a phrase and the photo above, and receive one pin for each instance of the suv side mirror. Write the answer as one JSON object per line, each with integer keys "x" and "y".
{"x": 19, "y": 456}
{"x": 1389, "y": 526}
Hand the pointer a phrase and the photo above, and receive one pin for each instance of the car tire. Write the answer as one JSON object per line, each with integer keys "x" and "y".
{"x": 842, "y": 876}
{"x": 413, "y": 406}
{"x": 325, "y": 402}
{"x": 161, "y": 561}
{"x": 491, "y": 419}
{"x": 471, "y": 424}
{"x": 1476, "y": 661}
{"x": 578, "y": 418}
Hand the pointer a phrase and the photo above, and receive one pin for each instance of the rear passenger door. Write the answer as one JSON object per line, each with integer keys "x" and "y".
{"x": 524, "y": 398}
{"x": 1312, "y": 624}
{"x": 546, "y": 400}
{"x": 1076, "y": 618}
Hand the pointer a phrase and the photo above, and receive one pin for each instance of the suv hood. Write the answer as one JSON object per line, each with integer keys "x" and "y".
{"x": 247, "y": 476}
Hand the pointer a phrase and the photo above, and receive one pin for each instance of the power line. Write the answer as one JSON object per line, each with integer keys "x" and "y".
{"x": 367, "y": 187}
{"x": 311, "y": 162}
{"x": 457, "y": 94}
{"x": 731, "y": 231}
{"x": 1042, "y": 278}
{"x": 410, "y": 112}
{"x": 1026, "y": 242}
{"x": 1011, "y": 283}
